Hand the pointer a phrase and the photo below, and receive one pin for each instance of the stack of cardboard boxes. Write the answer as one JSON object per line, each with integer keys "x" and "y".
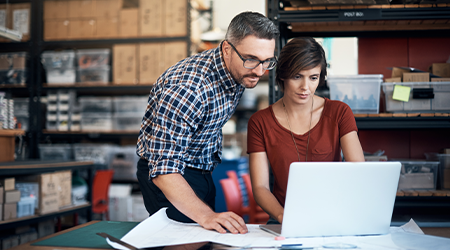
{"x": 99, "y": 19}
{"x": 16, "y": 17}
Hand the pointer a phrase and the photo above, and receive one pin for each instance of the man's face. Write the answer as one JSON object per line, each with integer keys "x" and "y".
{"x": 250, "y": 47}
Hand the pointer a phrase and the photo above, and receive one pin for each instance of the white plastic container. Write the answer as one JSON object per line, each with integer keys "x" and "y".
{"x": 98, "y": 153}
{"x": 92, "y": 58}
{"x": 424, "y": 97}
{"x": 26, "y": 206}
{"x": 127, "y": 104}
{"x": 360, "y": 92}
{"x": 95, "y": 104}
{"x": 63, "y": 152}
{"x": 96, "y": 122}
{"x": 93, "y": 75}
{"x": 58, "y": 59}
{"x": 127, "y": 121}
{"x": 58, "y": 76}
{"x": 419, "y": 175}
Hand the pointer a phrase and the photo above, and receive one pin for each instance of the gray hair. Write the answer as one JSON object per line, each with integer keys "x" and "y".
{"x": 251, "y": 23}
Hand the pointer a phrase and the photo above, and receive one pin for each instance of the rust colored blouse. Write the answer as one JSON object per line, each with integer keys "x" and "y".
{"x": 265, "y": 134}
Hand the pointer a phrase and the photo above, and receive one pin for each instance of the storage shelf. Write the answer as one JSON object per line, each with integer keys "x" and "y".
{"x": 402, "y": 122}
{"x": 35, "y": 167}
{"x": 27, "y": 220}
{"x": 106, "y": 42}
{"x": 91, "y": 134}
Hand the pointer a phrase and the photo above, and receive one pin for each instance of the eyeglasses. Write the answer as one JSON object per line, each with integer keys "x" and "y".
{"x": 253, "y": 63}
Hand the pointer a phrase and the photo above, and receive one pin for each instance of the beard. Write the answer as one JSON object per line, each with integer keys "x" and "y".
{"x": 240, "y": 79}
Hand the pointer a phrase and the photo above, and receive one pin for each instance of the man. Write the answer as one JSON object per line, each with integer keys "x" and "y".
{"x": 180, "y": 140}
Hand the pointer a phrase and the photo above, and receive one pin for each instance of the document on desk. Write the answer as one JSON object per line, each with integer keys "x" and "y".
{"x": 159, "y": 230}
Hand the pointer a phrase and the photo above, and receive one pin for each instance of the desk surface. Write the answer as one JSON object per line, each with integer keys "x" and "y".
{"x": 435, "y": 231}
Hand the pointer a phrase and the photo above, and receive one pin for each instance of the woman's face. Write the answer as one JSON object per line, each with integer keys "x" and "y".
{"x": 300, "y": 88}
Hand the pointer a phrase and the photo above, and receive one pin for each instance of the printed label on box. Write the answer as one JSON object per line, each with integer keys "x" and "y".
{"x": 21, "y": 20}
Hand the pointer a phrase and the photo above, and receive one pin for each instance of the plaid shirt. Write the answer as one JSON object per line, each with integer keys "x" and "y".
{"x": 187, "y": 107}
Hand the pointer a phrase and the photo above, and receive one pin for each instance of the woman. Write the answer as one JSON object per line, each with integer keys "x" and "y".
{"x": 299, "y": 127}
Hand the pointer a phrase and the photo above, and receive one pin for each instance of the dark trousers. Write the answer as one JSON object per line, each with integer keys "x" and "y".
{"x": 154, "y": 199}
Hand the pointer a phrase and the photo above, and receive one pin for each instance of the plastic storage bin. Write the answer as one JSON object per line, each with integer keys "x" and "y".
{"x": 90, "y": 104}
{"x": 96, "y": 121}
{"x": 93, "y": 75}
{"x": 127, "y": 122}
{"x": 58, "y": 59}
{"x": 14, "y": 60}
{"x": 91, "y": 58}
{"x": 360, "y": 92}
{"x": 424, "y": 97}
{"x": 61, "y": 152}
{"x": 126, "y": 104}
{"x": 124, "y": 161}
{"x": 65, "y": 76}
{"x": 444, "y": 171}
{"x": 421, "y": 175}
{"x": 26, "y": 206}
{"x": 100, "y": 154}
{"x": 13, "y": 76}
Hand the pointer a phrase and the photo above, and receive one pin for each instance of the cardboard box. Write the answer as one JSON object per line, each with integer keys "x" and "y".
{"x": 64, "y": 188}
{"x": 8, "y": 183}
{"x": 395, "y": 79}
{"x": 398, "y": 72}
{"x": 441, "y": 69}
{"x": 107, "y": 8}
{"x": 151, "y": 62}
{"x": 5, "y": 20}
{"x": 12, "y": 196}
{"x": 107, "y": 27}
{"x": 440, "y": 79}
{"x": 21, "y": 15}
{"x": 416, "y": 77}
{"x": 82, "y": 29}
{"x": 46, "y": 228}
{"x": 56, "y": 29}
{"x": 56, "y": 9}
{"x": 128, "y": 23}
{"x": 9, "y": 211}
{"x": 175, "y": 18}
{"x": 151, "y": 18}
{"x": 174, "y": 52}
{"x": 82, "y": 9}
{"x": 48, "y": 192}
{"x": 125, "y": 64}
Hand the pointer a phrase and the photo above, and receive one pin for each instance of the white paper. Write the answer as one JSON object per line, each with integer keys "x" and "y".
{"x": 158, "y": 230}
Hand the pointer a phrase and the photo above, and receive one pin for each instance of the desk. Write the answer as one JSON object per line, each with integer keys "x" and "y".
{"x": 443, "y": 232}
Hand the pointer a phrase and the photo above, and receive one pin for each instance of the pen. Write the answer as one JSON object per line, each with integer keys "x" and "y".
{"x": 294, "y": 246}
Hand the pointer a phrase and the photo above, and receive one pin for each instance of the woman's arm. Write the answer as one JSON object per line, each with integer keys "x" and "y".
{"x": 259, "y": 173}
{"x": 351, "y": 147}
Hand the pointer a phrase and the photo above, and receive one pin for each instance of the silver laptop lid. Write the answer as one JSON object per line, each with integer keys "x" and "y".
{"x": 340, "y": 198}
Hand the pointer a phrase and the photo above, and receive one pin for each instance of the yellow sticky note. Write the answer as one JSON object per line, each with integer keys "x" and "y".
{"x": 401, "y": 93}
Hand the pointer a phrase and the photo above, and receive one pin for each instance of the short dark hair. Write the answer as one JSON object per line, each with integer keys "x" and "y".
{"x": 251, "y": 23}
{"x": 300, "y": 54}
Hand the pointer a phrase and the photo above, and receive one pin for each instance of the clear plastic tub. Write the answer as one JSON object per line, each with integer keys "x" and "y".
{"x": 95, "y": 104}
{"x": 444, "y": 170}
{"x": 96, "y": 122}
{"x": 26, "y": 206}
{"x": 13, "y": 76}
{"x": 95, "y": 75}
{"x": 127, "y": 104}
{"x": 98, "y": 153}
{"x": 91, "y": 58}
{"x": 424, "y": 97}
{"x": 61, "y": 152}
{"x": 420, "y": 175}
{"x": 360, "y": 92}
{"x": 59, "y": 76}
{"x": 123, "y": 162}
{"x": 58, "y": 59}
{"x": 127, "y": 122}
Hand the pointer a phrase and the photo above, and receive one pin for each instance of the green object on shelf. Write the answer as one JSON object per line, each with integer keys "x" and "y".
{"x": 86, "y": 236}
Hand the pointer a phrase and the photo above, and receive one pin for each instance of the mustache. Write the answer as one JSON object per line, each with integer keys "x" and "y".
{"x": 252, "y": 75}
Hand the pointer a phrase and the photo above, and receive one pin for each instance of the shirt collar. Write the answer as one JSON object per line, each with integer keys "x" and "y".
{"x": 224, "y": 75}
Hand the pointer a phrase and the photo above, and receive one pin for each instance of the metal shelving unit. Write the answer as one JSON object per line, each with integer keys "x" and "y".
{"x": 18, "y": 168}
{"x": 35, "y": 88}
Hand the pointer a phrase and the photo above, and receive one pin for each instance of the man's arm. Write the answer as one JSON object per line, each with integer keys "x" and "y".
{"x": 182, "y": 196}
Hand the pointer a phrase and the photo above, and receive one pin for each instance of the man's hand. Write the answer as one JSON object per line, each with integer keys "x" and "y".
{"x": 223, "y": 222}
{"x": 183, "y": 197}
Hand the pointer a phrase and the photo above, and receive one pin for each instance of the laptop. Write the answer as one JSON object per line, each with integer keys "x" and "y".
{"x": 338, "y": 199}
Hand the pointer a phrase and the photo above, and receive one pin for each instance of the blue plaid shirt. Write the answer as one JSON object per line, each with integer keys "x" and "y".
{"x": 187, "y": 108}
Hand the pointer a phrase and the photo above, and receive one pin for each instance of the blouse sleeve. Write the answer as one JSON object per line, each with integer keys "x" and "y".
{"x": 255, "y": 134}
{"x": 347, "y": 121}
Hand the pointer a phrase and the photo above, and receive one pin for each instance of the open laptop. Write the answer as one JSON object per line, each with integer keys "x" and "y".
{"x": 338, "y": 198}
